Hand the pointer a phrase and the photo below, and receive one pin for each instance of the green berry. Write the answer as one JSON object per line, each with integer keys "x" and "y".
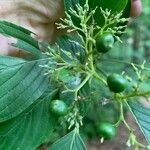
{"x": 106, "y": 130}
{"x": 58, "y": 108}
{"x": 104, "y": 42}
{"x": 116, "y": 83}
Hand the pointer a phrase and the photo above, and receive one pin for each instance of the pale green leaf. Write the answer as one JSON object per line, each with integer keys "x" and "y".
{"x": 7, "y": 61}
{"x": 142, "y": 117}
{"x": 31, "y": 128}
{"x": 71, "y": 141}
{"x": 23, "y": 36}
{"x": 21, "y": 83}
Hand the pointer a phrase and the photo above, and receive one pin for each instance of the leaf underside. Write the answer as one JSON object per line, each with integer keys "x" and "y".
{"x": 21, "y": 84}
{"x": 31, "y": 128}
{"x": 142, "y": 117}
{"x": 23, "y": 36}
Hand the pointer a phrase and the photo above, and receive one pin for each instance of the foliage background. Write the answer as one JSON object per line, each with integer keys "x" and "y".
{"x": 136, "y": 49}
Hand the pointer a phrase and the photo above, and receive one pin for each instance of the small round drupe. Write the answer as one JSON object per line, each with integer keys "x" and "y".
{"x": 106, "y": 130}
{"x": 58, "y": 108}
{"x": 116, "y": 83}
{"x": 104, "y": 42}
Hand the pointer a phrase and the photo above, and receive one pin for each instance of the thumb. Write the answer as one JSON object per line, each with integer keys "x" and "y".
{"x": 136, "y": 8}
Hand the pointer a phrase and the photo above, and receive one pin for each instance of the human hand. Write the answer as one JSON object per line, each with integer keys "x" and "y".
{"x": 6, "y": 8}
{"x": 136, "y": 8}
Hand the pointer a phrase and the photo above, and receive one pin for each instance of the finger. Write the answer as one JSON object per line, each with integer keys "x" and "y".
{"x": 136, "y": 8}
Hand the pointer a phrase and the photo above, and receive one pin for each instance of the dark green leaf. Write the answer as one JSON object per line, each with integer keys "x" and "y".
{"x": 114, "y": 5}
{"x": 23, "y": 36}
{"x": 21, "y": 83}
{"x": 126, "y": 12}
{"x": 71, "y": 141}
{"x": 67, "y": 97}
{"x": 142, "y": 117}
{"x": 31, "y": 128}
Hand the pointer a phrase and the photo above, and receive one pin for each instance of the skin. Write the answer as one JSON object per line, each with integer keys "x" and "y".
{"x": 41, "y": 27}
{"x": 136, "y": 8}
{"x": 42, "y": 21}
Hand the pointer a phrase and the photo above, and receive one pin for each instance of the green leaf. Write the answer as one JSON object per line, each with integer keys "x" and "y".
{"x": 21, "y": 83}
{"x": 71, "y": 80}
{"x": 71, "y": 141}
{"x": 70, "y": 4}
{"x": 23, "y": 36}
{"x": 72, "y": 43}
{"x": 68, "y": 97}
{"x": 126, "y": 12}
{"x": 6, "y": 61}
{"x": 114, "y": 5}
{"x": 142, "y": 117}
{"x": 31, "y": 128}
